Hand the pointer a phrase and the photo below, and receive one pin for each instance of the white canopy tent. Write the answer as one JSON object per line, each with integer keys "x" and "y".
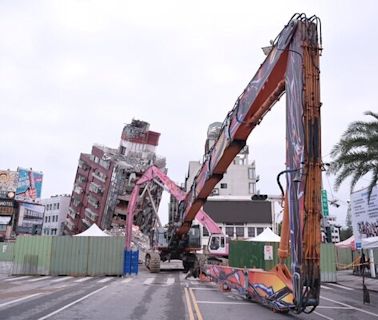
{"x": 369, "y": 243}
{"x": 92, "y": 231}
{"x": 348, "y": 243}
{"x": 267, "y": 236}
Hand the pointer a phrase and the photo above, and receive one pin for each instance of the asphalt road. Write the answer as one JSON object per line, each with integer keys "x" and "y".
{"x": 166, "y": 295}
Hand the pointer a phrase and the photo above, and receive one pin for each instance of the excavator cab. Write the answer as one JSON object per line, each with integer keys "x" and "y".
{"x": 194, "y": 237}
{"x": 218, "y": 245}
{"x": 160, "y": 238}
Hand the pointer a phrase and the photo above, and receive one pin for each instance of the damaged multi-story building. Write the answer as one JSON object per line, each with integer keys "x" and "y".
{"x": 106, "y": 177}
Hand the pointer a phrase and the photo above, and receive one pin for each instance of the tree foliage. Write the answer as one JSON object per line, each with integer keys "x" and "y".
{"x": 356, "y": 154}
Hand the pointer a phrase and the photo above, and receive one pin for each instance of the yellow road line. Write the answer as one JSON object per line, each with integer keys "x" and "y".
{"x": 198, "y": 312}
{"x": 189, "y": 305}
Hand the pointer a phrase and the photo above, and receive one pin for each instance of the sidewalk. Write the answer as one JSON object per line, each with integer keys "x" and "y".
{"x": 348, "y": 279}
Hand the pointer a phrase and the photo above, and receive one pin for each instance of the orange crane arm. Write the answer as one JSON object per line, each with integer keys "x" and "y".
{"x": 292, "y": 66}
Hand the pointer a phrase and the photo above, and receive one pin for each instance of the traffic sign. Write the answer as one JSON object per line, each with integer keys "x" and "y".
{"x": 325, "y": 210}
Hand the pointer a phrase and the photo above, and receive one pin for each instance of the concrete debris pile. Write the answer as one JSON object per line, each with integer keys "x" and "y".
{"x": 139, "y": 240}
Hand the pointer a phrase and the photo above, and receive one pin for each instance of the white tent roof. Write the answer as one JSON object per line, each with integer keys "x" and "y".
{"x": 92, "y": 231}
{"x": 267, "y": 236}
{"x": 369, "y": 243}
{"x": 347, "y": 243}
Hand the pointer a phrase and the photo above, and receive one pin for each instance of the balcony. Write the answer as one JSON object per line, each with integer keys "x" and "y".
{"x": 124, "y": 197}
{"x": 76, "y": 203}
{"x": 89, "y": 214}
{"x": 80, "y": 179}
{"x": 86, "y": 222}
{"x": 70, "y": 226}
{"x": 95, "y": 188}
{"x": 82, "y": 165}
{"x": 72, "y": 213}
{"x": 93, "y": 202}
{"x": 78, "y": 190}
{"x": 99, "y": 175}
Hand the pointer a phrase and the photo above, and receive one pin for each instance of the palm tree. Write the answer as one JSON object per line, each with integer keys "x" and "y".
{"x": 356, "y": 154}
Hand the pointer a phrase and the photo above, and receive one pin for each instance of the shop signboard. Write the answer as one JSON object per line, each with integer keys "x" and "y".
{"x": 364, "y": 214}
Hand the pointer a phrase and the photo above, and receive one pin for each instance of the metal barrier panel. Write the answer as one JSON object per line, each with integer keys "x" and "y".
{"x": 64, "y": 255}
{"x": 328, "y": 262}
{"x": 250, "y": 254}
{"x": 105, "y": 256}
{"x": 246, "y": 254}
{"x": 6, "y": 251}
{"x": 32, "y": 255}
{"x": 69, "y": 256}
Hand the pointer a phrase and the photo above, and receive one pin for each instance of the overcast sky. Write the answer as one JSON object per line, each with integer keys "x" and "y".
{"x": 72, "y": 73}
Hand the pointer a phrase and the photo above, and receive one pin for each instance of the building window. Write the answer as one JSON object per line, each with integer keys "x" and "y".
{"x": 215, "y": 192}
{"x": 57, "y": 205}
{"x": 239, "y": 231}
{"x": 205, "y": 232}
{"x": 251, "y": 232}
{"x": 45, "y": 219}
{"x": 223, "y": 185}
{"x": 250, "y": 173}
{"x": 230, "y": 231}
{"x": 123, "y": 150}
{"x": 48, "y": 220}
{"x": 251, "y": 188}
{"x": 259, "y": 230}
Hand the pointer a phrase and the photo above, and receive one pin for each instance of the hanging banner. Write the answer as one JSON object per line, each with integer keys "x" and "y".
{"x": 268, "y": 252}
{"x": 364, "y": 215}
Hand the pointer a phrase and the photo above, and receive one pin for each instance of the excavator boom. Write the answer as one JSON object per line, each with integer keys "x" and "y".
{"x": 292, "y": 66}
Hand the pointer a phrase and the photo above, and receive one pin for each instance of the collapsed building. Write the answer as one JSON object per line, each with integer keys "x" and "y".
{"x": 106, "y": 177}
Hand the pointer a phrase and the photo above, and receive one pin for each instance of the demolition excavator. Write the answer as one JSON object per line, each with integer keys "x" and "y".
{"x": 190, "y": 250}
{"x": 291, "y": 67}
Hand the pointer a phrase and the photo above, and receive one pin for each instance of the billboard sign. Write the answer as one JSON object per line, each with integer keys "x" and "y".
{"x": 8, "y": 182}
{"x": 29, "y": 185}
{"x": 364, "y": 214}
{"x": 30, "y": 218}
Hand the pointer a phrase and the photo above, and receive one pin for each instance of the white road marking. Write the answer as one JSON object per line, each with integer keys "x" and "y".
{"x": 323, "y": 316}
{"x": 220, "y": 302}
{"x": 205, "y": 289}
{"x": 17, "y": 278}
{"x": 351, "y": 307}
{"x": 333, "y": 307}
{"x": 104, "y": 280}
{"x": 61, "y": 279}
{"x": 339, "y": 286}
{"x": 71, "y": 304}
{"x": 148, "y": 281}
{"x": 126, "y": 280}
{"x": 170, "y": 281}
{"x": 327, "y": 288}
{"x": 20, "y": 299}
{"x": 83, "y": 279}
{"x": 38, "y": 279}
